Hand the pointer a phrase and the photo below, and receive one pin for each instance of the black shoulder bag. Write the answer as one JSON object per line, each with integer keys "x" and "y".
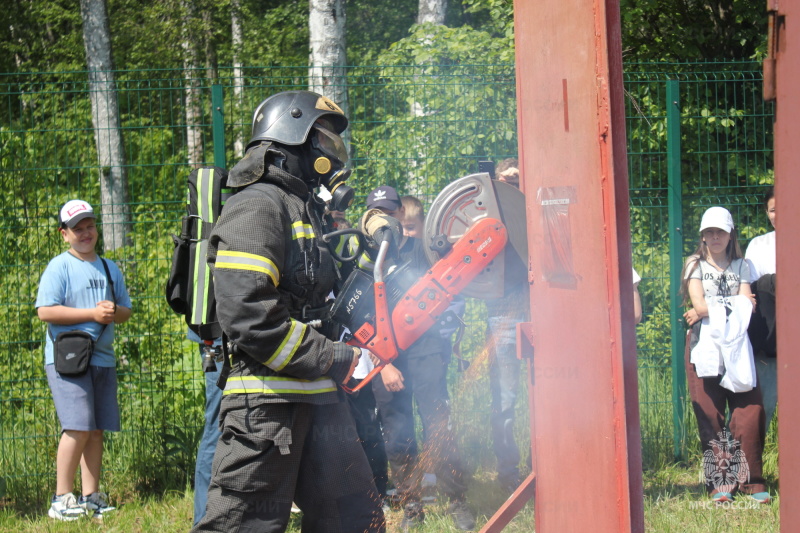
{"x": 72, "y": 350}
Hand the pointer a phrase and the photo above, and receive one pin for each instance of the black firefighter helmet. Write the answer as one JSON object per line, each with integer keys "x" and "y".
{"x": 313, "y": 124}
{"x": 287, "y": 117}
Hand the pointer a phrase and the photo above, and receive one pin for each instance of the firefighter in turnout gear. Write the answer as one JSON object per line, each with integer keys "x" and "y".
{"x": 287, "y": 434}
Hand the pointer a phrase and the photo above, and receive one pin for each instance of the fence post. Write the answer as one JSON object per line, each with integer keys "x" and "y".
{"x": 218, "y": 125}
{"x": 677, "y": 329}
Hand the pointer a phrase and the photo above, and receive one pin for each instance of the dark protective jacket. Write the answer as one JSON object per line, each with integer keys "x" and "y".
{"x": 268, "y": 268}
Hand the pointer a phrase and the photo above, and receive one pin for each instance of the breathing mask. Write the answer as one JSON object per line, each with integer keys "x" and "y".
{"x": 330, "y": 160}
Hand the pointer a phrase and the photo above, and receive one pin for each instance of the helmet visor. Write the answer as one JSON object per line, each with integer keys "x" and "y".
{"x": 330, "y": 144}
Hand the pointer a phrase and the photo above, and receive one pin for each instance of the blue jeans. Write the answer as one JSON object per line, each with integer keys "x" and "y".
{"x": 504, "y": 372}
{"x": 208, "y": 443}
{"x": 767, "y": 370}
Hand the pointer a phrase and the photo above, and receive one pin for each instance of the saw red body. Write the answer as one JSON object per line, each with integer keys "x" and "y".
{"x": 418, "y": 309}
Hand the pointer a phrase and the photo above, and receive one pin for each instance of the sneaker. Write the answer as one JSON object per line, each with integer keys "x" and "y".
{"x": 96, "y": 504}
{"x": 462, "y": 516}
{"x": 385, "y": 506}
{"x": 413, "y": 516}
{"x": 295, "y": 508}
{"x": 65, "y": 507}
{"x": 761, "y": 497}
{"x": 720, "y": 497}
{"x": 393, "y": 497}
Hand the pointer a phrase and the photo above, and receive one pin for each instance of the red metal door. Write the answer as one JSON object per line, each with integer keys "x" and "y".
{"x": 785, "y": 48}
{"x": 584, "y": 403}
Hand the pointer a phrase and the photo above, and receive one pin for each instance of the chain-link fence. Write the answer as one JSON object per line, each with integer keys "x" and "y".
{"x": 698, "y": 135}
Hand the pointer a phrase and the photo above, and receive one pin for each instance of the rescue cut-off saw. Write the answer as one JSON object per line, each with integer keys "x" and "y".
{"x": 474, "y": 232}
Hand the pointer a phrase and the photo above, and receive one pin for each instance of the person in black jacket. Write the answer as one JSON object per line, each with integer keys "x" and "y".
{"x": 418, "y": 374}
{"x": 287, "y": 433}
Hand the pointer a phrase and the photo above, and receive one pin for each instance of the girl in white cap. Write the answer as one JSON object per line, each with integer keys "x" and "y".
{"x": 719, "y": 362}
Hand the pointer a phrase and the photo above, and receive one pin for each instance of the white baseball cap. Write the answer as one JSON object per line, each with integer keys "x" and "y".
{"x": 717, "y": 217}
{"x": 73, "y": 212}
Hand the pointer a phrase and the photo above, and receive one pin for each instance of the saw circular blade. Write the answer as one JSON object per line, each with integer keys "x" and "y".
{"x": 467, "y": 200}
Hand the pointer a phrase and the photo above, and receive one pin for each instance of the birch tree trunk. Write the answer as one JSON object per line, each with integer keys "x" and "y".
{"x": 192, "y": 109}
{"x": 327, "y": 61}
{"x": 208, "y": 45}
{"x": 115, "y": 210}
{"x": 429, "y": 11}
{"x": 432, "y": 11}
{"x": 236, "y": 38}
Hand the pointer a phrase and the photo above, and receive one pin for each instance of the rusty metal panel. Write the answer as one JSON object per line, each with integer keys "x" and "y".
{"x": 585, "y": 425}
{"x": 787, "y": 196}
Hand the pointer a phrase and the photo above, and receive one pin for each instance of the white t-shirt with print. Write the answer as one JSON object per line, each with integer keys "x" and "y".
{"x": 716, "y": 283}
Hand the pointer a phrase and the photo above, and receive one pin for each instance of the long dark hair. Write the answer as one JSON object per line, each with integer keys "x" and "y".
{"x": 769, "y": 195}
{"x": 732, "y": 251}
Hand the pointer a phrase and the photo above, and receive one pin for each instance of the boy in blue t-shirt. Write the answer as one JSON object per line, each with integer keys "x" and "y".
{"x": 75, "y": 293}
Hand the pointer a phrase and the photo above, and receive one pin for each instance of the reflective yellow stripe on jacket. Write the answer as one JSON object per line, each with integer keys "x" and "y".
{"x": 244, "y": 261}
{"x": 365, "y": 262}
{"x": 288, "y": 347}
{"x": 302, "y": 231}
{"x": 277, "y": 385}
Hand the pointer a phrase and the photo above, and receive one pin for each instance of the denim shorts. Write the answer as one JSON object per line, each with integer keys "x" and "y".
{"x": 87, "y": 402}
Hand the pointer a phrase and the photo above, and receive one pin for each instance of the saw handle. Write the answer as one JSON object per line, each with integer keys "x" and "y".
{"x": 375, "y": 371}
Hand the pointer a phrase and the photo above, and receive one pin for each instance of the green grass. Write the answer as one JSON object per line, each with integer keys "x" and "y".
{"x": 148, "y": 465}
{"x": 673, "y": 501}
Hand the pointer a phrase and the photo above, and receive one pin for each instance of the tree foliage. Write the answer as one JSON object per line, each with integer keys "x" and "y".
{"x": 694, "y": 30}
{"x": 44, "y": 35}
{"x": 438, "y": 98}
{"x": 41, "y": 36}
{"x": 496, "y": 17}
{"x": 455, "y": 105}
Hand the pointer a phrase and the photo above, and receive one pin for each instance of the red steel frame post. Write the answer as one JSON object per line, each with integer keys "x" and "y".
{"x": 786, "y": 52}
{"x": 583, "y": 391}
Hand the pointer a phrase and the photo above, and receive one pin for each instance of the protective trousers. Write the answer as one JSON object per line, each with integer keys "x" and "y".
{"x": 272, "y": 453}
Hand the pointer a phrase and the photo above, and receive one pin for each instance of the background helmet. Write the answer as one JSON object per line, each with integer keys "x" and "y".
{"x": 287, "y": 117}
